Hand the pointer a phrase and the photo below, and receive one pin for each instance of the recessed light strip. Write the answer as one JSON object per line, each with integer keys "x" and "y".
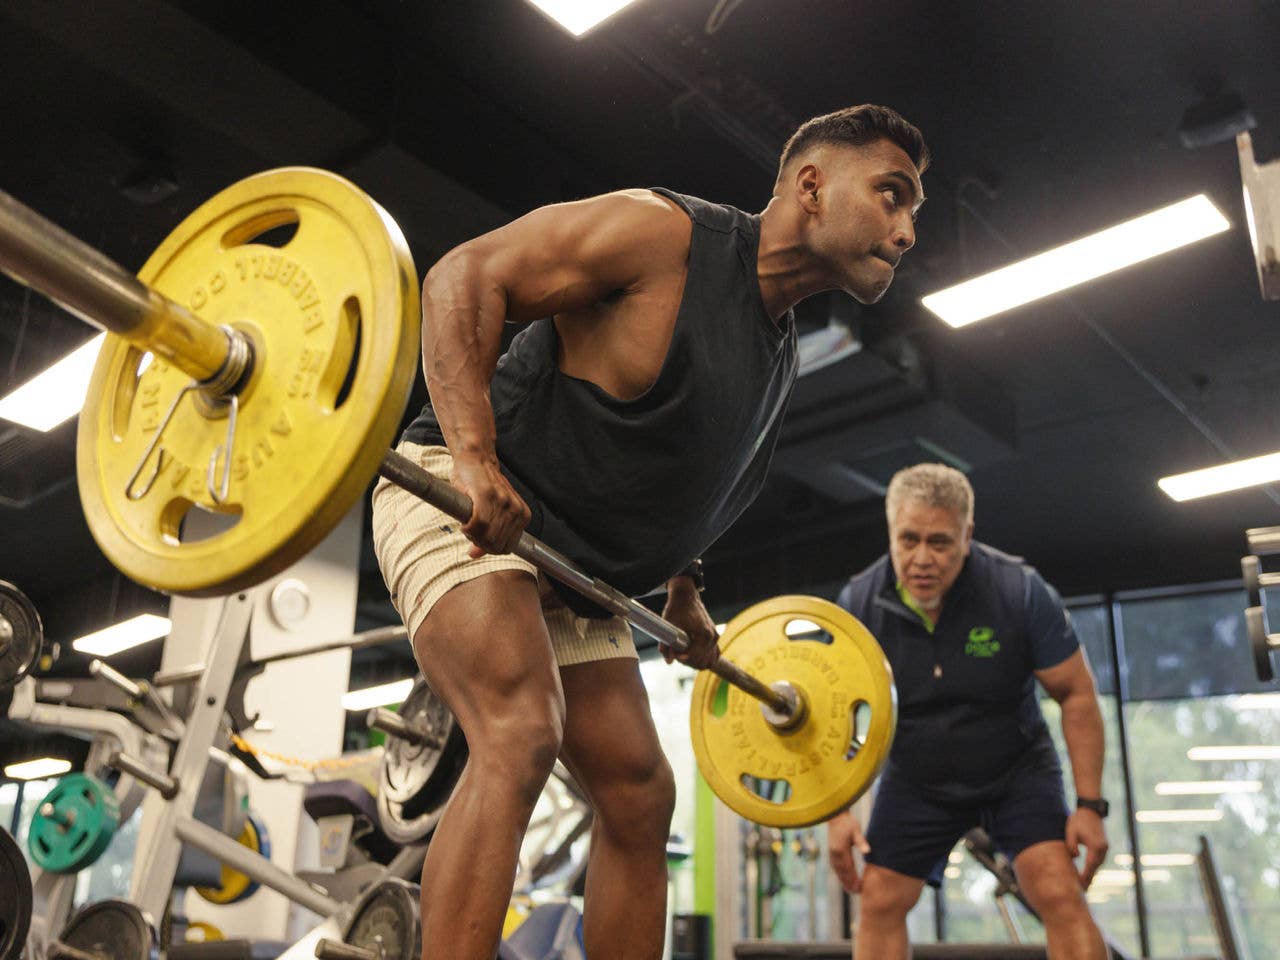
{"x": 1223, "y": 478}
{"x": 37, "y": 769}
{"x": 1074, "y": 263}
{"x": 57, "y": 394}
{"x": 378, "y": 696}
{"x": 579, "y": 16}
{"x": 140, "y": 629}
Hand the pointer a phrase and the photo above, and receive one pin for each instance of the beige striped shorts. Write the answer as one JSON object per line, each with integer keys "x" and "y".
{"x": 423, "y": 555}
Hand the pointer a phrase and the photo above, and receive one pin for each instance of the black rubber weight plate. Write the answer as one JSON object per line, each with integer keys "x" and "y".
{"x": 21, "y": 637}
{"x": 15, "y": 898}
{"x": 388, "y": 920}
{"x": 112, "y": 928}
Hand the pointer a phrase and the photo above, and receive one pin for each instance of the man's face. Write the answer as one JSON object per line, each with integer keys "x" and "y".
{"x": 869, "y": 197}
{"x": 928, "y": 546}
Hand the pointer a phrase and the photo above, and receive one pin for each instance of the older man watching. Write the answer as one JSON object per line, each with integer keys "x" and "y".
{"x": 969, "y": 630}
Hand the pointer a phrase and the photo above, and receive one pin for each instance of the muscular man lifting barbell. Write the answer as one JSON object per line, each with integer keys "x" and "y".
{"x": 628, "y": 431}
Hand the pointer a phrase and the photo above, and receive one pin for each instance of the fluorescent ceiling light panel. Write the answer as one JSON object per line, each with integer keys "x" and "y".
{"x": 1175, "y": 788}
{"x": 56, "y": 395}
{"x": 1223, "y": 478}
{"x": 37, "y": 769}
{"x": 378, "y": 696}
{"x": 1085, "y": 259}
{"x": 141, "y": 629}
{"x": 1234, "y": 753}
{"x": 579, "y": 16}
{"x": 1178, "y": 816}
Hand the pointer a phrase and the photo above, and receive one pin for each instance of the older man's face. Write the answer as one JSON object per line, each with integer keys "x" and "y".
{"x": 928, "y": 546}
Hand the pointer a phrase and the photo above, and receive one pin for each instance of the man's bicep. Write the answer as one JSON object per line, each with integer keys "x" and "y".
{"x": 1070, "y": 676}
{"x": 569, "y": 256}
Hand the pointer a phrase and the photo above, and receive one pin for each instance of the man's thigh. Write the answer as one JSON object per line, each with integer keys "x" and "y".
{"x": 1032, "y": 809}
{"x": 484, "y": 648}
{"x": 911, "y": 834}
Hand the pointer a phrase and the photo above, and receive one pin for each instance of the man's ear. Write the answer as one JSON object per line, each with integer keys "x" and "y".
{"x": 808, "y": 182}
{"x": 968, "y": 537}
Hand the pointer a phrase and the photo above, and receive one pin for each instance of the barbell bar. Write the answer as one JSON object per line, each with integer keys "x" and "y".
{"x": 221, "y": 361}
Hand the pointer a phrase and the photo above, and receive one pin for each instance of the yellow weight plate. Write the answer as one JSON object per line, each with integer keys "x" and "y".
{"x": 340, "y": 293}
{"x": 806, "y": 775}
{"x": 200, "y": 932}
{"x": 235, "y": 886}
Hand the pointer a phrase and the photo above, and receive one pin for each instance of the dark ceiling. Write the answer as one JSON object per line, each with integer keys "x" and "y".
{"x": 1046, "y": 121}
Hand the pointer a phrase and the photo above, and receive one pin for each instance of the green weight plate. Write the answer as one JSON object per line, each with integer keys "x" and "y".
{"x": 74, "y": 824}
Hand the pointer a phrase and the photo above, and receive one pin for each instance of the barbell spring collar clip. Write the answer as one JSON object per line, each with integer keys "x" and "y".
{"x": 155, "y": 442}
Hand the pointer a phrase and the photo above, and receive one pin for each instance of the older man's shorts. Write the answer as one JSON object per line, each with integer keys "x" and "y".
{"x": 423, "y": 554}
{"x": 912, "y": 832}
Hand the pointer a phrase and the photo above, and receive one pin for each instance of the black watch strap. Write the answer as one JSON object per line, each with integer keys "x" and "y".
{"x": 694, "y": 572}
{"x": 1098, "y": 806}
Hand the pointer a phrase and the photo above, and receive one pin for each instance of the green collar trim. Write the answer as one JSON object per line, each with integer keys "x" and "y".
{"x": 910, "y": 603}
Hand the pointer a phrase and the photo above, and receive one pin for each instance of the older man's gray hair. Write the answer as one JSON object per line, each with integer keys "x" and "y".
{"x": 933, "y": 484}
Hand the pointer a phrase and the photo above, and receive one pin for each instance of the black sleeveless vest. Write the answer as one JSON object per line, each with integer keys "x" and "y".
{"x": 633, "y": 490}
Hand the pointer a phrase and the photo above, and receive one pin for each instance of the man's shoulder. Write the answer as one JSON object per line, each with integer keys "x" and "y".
{"x": 996, "y": 557}
{"x": 1011, "y": 576}
{"x": 714, "y": 216}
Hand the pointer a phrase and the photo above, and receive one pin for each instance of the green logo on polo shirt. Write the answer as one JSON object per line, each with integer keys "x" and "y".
{"x": 982, "y": 643}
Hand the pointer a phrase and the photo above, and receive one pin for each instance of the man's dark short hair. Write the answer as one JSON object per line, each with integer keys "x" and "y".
{"x": 857, "y": 127}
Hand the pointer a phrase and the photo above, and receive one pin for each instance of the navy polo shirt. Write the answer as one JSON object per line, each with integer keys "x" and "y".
{"x": 967, "y": 708}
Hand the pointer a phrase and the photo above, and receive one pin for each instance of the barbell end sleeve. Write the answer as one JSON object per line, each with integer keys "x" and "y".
{"x": 394, "y": 725}
{"x": 164, "y": 784}
{"x": 327, "y": 949}
{"x": 730, "y": 671}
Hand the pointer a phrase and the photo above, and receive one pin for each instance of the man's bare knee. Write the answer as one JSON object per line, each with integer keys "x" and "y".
{"x": 636, "y": 811}
{"x": 885, "y": 898}
{"x": 518, "y": 746}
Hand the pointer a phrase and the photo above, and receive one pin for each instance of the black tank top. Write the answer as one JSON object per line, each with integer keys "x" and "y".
{"x": 633, "y": 490}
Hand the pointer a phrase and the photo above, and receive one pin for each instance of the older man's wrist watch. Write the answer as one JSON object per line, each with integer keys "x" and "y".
{"x": 1098, "y": 806}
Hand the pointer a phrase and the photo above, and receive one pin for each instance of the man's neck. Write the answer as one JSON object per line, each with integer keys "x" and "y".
{"x": 929, "y": 613}
{"x": 787, "y": 272}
